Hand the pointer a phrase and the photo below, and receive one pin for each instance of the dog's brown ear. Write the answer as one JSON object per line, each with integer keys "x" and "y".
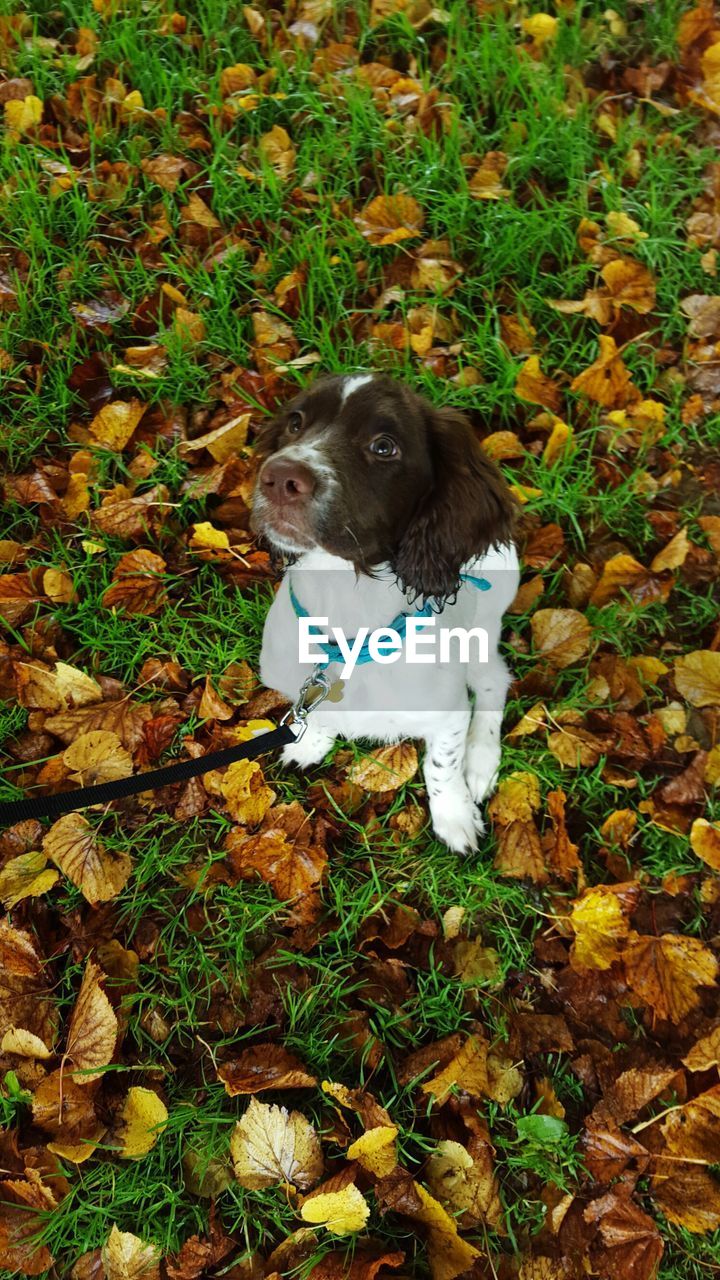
{"x": 468, "y": 509}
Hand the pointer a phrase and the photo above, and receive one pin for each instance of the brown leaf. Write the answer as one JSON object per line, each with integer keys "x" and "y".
{"x": 137, "y": 586}
{"x": 123, "y": 717}
{"x": 561, "y": 854}
{"x": 74, "y": 847}
{"x": 246, "y": 794}
{"x": 23, "y": 1206}
{"x": 264, "y": 1066}
{"x": 621, "y": 574}
{"x": 535, "y": 387}
{"x": 18, "y": 594}
{"x": 385, "y": 768}
{"x": 690, "y": 1198}
{"x": 631, "y": 1241}
{"x": 666, "y": 972}
{"x": 390, "y": 219}
{"x": 633, "y": 1090}
{"x": 563, "y": 636}
{"x": 705, "y": 1053}
{"x": 519, "y": 852}
{"x": 93, "y": 1027}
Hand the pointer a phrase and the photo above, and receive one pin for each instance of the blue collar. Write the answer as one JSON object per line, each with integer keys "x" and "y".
{"x": 333, "y": 652}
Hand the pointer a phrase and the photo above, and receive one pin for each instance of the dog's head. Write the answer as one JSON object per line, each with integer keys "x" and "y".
{"x": 368, "y": 470}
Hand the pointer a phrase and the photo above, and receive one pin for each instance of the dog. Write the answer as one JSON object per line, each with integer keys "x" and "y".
{"x": 386, "y": 510}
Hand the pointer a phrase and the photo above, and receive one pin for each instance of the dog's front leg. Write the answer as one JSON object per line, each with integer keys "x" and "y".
{"x": 311, "y": 749}
{"x": 455, "y": 817}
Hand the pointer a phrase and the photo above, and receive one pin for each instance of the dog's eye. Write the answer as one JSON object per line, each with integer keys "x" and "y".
{"x": 294, "y": 422}
{"x": 384, "y": 447}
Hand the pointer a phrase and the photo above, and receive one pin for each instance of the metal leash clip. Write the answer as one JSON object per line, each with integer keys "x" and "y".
{"x": 297, "y": 715}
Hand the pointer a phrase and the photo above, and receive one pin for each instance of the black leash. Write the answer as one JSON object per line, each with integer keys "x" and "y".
{"x": 104, "y": 792}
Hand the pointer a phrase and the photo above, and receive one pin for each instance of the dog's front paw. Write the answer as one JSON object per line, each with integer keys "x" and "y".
{"x": 457, "y": 822}
{"x": 482, "y": 763}
{"x": 311, "y": 749}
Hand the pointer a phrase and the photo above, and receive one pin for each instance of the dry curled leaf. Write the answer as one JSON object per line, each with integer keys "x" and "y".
{"x": 93, "y": 1027}
{"x": 264, "y": 1066}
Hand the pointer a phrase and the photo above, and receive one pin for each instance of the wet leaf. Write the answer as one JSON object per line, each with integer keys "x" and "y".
{"x": 264, "y": 1066}
{"x": 667, "y": 973}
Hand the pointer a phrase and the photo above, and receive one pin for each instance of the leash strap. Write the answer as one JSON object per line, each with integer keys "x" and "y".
{"x": 104, "y": 792}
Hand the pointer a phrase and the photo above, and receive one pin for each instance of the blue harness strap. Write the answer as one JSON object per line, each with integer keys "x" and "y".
{"x": 333, "y": 652}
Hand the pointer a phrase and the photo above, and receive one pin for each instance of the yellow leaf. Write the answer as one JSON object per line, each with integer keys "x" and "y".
{"x": 271, "y": 1145}
{"x": 208, "y": 538}
{"x": 697, "y": 677}
{"x": 533, "y": 385}
{"x": 599, "y": 925}
{"x": 390, "y": 219}
{"x": 114, "y": 424}
{"x": 622, "y": 225}
{"x": 142, "y": 1118}
{"x": 26, "y": 876}
{"x": 541, "y": 27}
{"x": 375, "y": 1150}
{"x": 221, "y": 443}
{"x": 449, "y": 1255}
{"x": 517, "y": 798}
{"x": 247, "y": 796}
{"x": 277, "y": 149}
{"x": 132, "y": 102}
{"x": 705, "y": 842}
{"x": 340, "y": 1212}
{"x": 97, "y": 756}
{"x": 73, "y": 846}
{"x": 125, "y": 1257}
{"x": 467, "y": 1070}
{"x": 24, "y": 1043}
{"x": 58, "y": 586}
{"x": 22, "y": 114}
{"x": 607, "y": 381}
{"x": 559, "y": 442}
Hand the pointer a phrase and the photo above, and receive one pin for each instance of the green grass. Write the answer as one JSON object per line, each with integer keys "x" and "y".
{"x": 203, "y": 942}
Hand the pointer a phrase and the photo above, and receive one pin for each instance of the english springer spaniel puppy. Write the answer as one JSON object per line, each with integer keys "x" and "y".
{"x": 389, "y": 515}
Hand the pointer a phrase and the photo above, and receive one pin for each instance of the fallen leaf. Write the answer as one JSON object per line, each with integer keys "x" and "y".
{"x": 126, "y": 1257}
{"x": 93, "y": 1028}
{"x": 27, "y": 876}
{"x": 246, "y": 794}
{"x": 390, "y": 219}
{"x": 375, "y": 1150}
{"x": 341, "y": 1212}
{"x": 600, "y": 926}
{"x": 697, "y": 677}
{"x": 607, "y": 381}
{"x": 385, "y": 768}
{"x": 98, "y": 756}
{"x": 264, "y": 1066}
{"x": 534, "y": 386}
{"x": 72, "y": 844}
{"x": 270, "y": 1145}
{"x": 142, "y": 1120}
{"x": 666, "y": 972}
{"x": 115, "y": 423}
{"x": 563, "y": 636}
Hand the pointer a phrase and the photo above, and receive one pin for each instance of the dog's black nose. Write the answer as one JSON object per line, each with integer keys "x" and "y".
{"x": 286, "y": 481}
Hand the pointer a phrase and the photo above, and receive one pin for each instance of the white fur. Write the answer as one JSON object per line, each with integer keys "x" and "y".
{"x": 389, "y": 703}
{"x": 353, "y": 384}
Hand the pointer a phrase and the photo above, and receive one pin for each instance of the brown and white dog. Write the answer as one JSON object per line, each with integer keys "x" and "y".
{"x": 388, "y": 510}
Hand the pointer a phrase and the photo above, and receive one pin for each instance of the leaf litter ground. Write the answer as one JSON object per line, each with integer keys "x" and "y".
{"x": 262, "y": 1025}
